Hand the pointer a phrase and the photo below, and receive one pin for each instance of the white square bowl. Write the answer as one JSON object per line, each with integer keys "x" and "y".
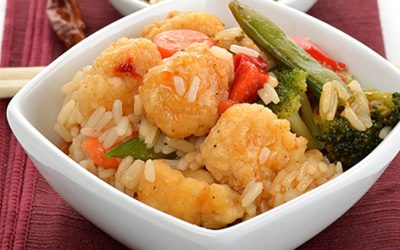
{"x": 127, "y": 7}
{"x": 32, "y": 114}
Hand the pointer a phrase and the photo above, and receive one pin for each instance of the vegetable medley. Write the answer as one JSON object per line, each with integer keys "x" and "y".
{"x": 215, "y": 126}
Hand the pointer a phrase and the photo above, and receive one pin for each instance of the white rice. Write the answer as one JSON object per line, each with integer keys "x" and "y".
{"x": 110, "y": 139}
{"x": 63, "y": 132}
{"x": 95, "y": 117}
{"x": 244, "y": 50}
{"x": 167, "y": 150}
{"x": 180, "y": 86}
{"x": 117, "y": 111}
{"x": 343, "y": 93}
{"x": 181, "y": 145}
{"x": 106, "y": 173}
{"x": 268, "y": 94}
{"x": 131, "y": 177}
{"x": 328, "y": 101}
{"x": 384, "y": 132}
{"x": 122, "y": 126}
{"x": 182, "y": 164}
{"x": 149, "y": 171}
{"x": 137, "y": 108}
{"x": 263, "y": 155}
{"x": 352, "y": 117}
{"x": 251, "y": 192}
{"x": 107, "y": 117}
{"x": 194, "y": 88}
{"x": 65, "y": 112}
{"x": 272, "y": 80}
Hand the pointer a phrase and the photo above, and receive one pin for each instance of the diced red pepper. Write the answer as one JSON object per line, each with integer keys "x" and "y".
{"x": 312, "y": 49}
{"x": 257, "y": 61}
{"x": 248, "y": 80}
{"x": 128, "y": 67}
{"x": 250, "y": 76}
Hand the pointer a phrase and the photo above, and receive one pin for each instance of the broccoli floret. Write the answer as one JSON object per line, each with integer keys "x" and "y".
{"x": 292, "y": 83}
{"x": 349, "y": 146}
{"x": 385, "y": 107}
{"x": 291, "y": 91}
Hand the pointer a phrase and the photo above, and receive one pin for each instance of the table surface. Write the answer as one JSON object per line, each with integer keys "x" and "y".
{"x": 388, "y": 10}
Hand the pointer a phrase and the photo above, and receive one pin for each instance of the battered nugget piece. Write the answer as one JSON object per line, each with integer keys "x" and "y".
{"x": 211, "y": 206}
{"x": 181, "y": 94}
{"x": 200, "y": 175}
{"x": 250, "y": 143}
{"x": 117, "y": 74}
{"x": 200, "y": 21}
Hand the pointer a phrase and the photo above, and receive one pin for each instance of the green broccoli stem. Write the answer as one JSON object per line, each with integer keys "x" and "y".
{"x": 270, "y": 38}
{"x": 308, "y": 115}
{"x": 298, "y": 126}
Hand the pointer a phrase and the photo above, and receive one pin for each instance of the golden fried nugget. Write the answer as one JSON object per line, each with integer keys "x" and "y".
{"x": 197, "y": 202}
{"x": 200, "y": 21}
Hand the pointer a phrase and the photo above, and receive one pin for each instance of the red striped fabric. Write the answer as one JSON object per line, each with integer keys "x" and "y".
{"x": 33, "y": 216}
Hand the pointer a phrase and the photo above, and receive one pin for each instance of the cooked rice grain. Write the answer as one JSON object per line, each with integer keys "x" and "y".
{"x": 194, "y": 88}
{"x": 130, "y": 178}
{"x": 149, "y": 171}
{"x": 66, "y": 111}
{"x": 244, "y": 50}
{"x": 117, "y": 111}
{"x": 251, "y": 192}
{"x": 180, "y": 86}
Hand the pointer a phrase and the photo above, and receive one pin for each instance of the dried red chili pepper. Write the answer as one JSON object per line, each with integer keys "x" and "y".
{"x": 66, "y": 20}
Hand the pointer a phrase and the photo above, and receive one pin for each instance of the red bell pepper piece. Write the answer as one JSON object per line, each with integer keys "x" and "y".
{"x": 318, "y": 55}
{"x": 250, "y": 76}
